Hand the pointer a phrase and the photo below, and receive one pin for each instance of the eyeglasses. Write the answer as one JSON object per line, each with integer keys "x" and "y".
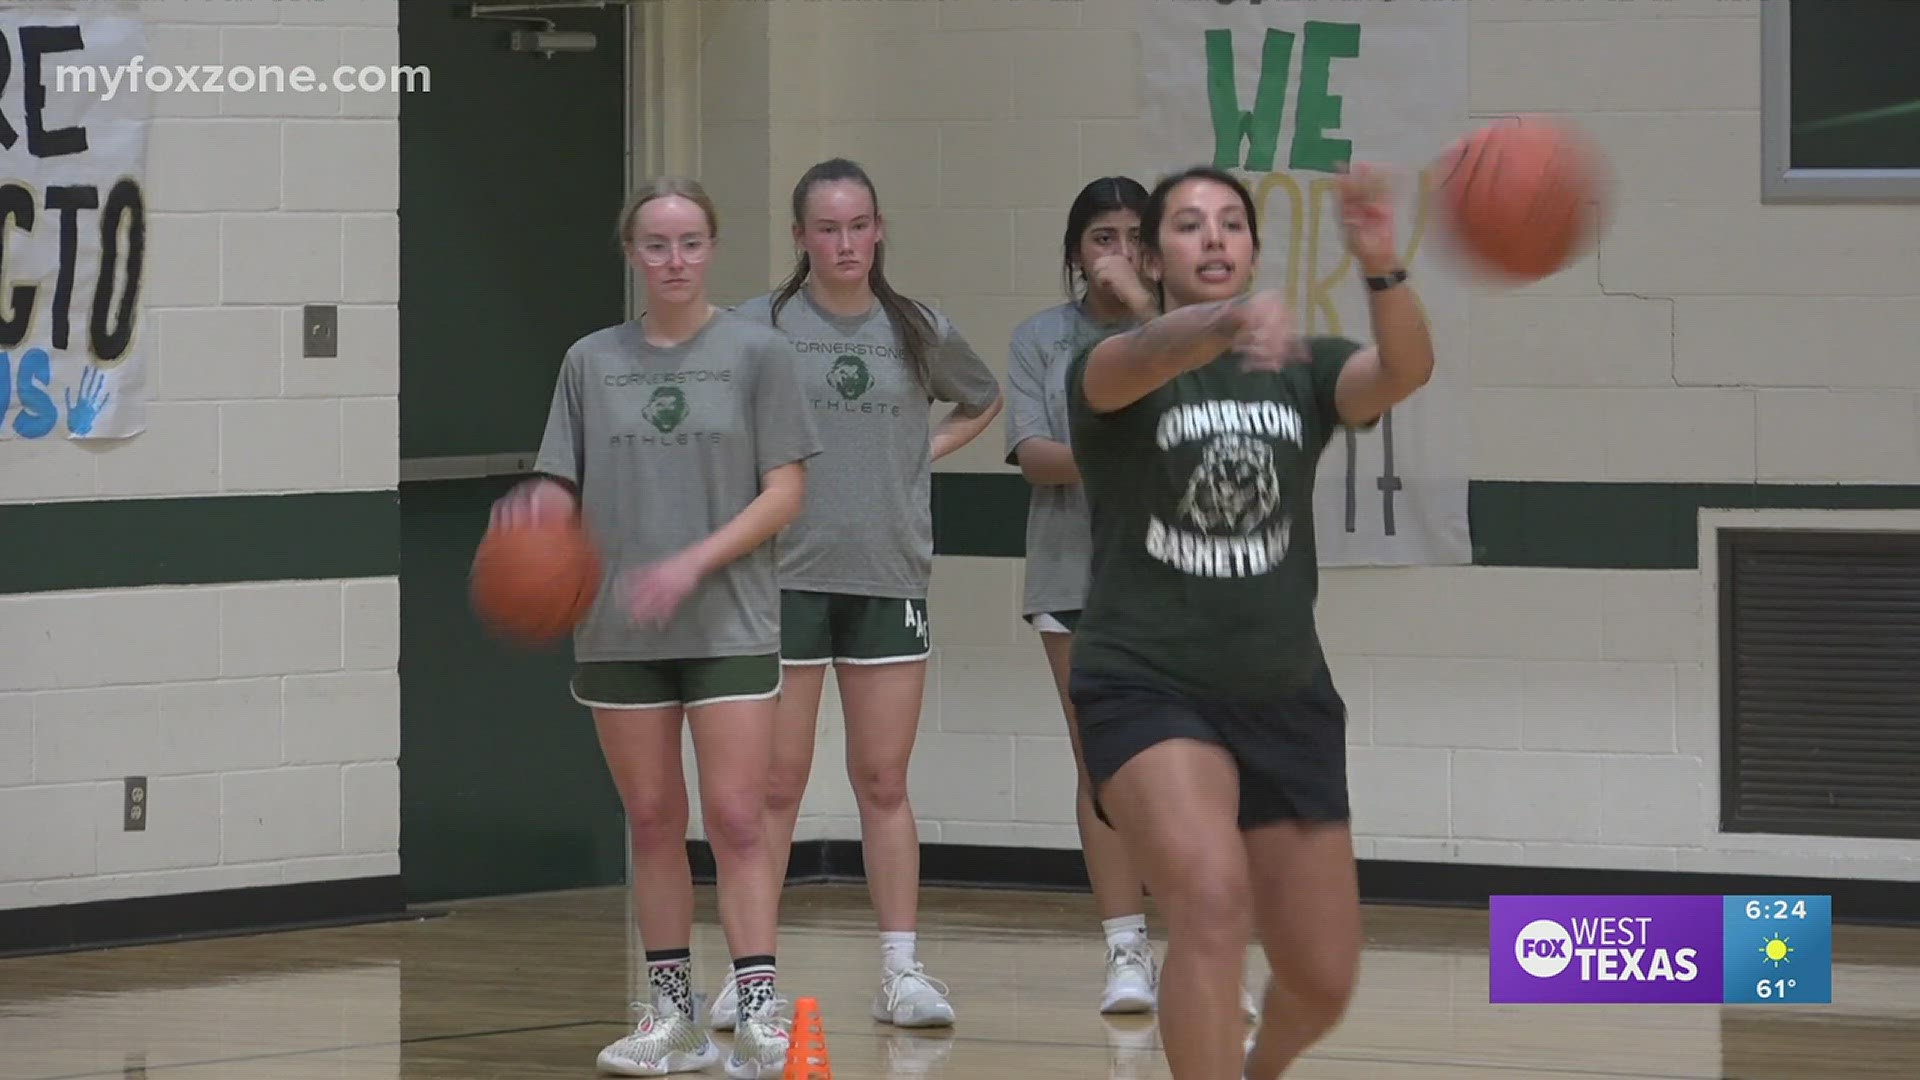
{"x": 693, "y": 249}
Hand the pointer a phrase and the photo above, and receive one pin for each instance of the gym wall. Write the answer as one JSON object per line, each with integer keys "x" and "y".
{"x": 1553, "y": 705}
{"x": 213, "y": 604}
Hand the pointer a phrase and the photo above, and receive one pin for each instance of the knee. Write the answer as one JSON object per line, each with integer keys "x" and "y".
{"x": 657, "y": 820}
{"x": 1210, "y": 906}
{"x": 786, "y": 786}
{"x": 1317, "y": 988}
{"x": 879, "y": 787}
{"x": 733, "y": 823}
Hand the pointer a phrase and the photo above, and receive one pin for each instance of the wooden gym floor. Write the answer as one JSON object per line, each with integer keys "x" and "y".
{"x": 531, "y": 988}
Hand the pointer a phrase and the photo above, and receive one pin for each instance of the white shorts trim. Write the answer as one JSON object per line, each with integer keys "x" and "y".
{"x": 722, "y": 700}
{"x": 851, "y": 662}
{"x": 774, "y": 693}
{"x": 1047, "y": 624}
{"x": 882, "y": 660}
{"x": 620, "y": 707}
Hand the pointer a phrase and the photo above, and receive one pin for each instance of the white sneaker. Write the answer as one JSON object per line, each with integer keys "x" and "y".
{"x": 1132, "y": 979}
{"x": 1249, "y": 1006}
{"x": 662, "y": 1043}
{"x": 908, "y": 998}
{"x": 760, "y": 1043}
{"x": 726, "y": 1007}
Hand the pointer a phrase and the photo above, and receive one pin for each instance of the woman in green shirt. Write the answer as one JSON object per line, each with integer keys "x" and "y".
{"x": 1211, "y": 729}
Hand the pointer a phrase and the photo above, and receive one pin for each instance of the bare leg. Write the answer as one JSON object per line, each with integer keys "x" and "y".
{"x": 1116, "y": 884}
{"x": 794, "y": 725}
{"x": 1307, "y": 907}
{"x": 1177, "y": 806}
{"x": 733, "y": 744}
{"x": 881, "y": 703}
{"x": 642, "y": 749}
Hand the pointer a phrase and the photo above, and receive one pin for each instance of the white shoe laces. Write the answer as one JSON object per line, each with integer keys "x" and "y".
{"x": 1134, "y": 955}
{"x": 904, "y": 981}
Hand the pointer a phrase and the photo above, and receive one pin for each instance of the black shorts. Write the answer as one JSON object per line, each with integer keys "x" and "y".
{"x": 1291, "y": 752}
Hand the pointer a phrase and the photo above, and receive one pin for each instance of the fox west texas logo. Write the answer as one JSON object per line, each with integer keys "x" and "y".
{"x": 666, "y": 409}
{"x": 1229, "y": 522}
{"x": 850, "y": 377}
{"x": 1605, "y": 949}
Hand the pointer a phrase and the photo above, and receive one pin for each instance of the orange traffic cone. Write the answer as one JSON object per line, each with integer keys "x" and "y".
{"x": 807, "y": 1053}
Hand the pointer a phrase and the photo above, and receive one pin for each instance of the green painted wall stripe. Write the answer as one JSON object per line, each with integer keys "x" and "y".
{"x": 1635, "y": 526}
{"x": 127, "y": 543}
{"x": 1620, "y": 526}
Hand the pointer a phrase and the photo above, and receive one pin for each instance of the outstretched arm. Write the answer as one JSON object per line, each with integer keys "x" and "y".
{"x": 1401, "y": 360}
{"x": 1127, "y": 367}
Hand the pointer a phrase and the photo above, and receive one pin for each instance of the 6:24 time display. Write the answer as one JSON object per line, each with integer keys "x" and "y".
{"x": 1776, "y": 909}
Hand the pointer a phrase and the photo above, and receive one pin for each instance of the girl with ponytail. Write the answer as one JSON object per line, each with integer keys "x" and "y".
{"x": 854, "y": 569}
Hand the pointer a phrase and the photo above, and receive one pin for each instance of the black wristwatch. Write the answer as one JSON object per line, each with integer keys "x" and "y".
{"x": 1382, "y": 284}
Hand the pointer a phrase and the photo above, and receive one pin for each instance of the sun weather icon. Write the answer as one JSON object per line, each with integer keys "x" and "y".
{"x": 1776, "y": 950}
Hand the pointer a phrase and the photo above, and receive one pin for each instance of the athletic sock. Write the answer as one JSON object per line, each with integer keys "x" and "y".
{"x": 670, "y": 974}
{"x": 753, "y": 981}
{"x": 896, "y": 950}
{"x": 1125, "y": 930}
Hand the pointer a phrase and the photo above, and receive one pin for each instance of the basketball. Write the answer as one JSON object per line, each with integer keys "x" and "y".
{"x": 532, "y": 583}
{"x": 1523, "y": 197}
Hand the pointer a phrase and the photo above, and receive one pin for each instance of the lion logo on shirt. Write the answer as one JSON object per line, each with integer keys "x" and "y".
{"x": 849, "y": 377}
{"x": 666, "y": 408}
{"x": 1234, "y": 489}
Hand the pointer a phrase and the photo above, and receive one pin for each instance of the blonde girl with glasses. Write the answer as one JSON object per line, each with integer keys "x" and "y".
{"x": 682, "y": 438}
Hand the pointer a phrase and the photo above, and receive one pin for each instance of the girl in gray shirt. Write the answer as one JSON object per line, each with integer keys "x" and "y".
{"x": 1102, "y": 278}
{"x": 855, "y": 567}
{"x": 681, "y": 438}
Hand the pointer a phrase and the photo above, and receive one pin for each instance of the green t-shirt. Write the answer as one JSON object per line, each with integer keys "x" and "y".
{"x": 1204, "y": 573}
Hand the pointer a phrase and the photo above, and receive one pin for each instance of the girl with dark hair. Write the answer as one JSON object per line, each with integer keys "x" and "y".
{"x": 1212, "y": 732}
{"x": 855, "y": 567}
{"x": 1105, "y": 295}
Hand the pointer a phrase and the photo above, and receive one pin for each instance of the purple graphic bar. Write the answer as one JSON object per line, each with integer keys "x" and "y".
{"x": 1605, "y": 950}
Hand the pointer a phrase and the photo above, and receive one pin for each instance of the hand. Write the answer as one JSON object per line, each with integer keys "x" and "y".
{"x": 1265, "y": 332}
{"x": 1119, "y": 278}
{"x": 1366, "y": 217}
{"x": 655, "y": 592}
{"x": 532, "y": 502}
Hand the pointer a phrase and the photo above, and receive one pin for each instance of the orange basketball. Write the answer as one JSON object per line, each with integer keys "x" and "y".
{"x": 533, "y": 583}
{"x": 1523, "y": 197}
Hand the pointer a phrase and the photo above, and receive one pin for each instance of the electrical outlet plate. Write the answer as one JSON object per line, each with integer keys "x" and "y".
{"x": 320, "y": 332}
{"x": 134, "y": 813}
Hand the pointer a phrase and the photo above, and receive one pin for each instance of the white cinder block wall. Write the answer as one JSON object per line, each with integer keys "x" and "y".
{"x": 1508, "y": 716}
{"x": 266, "y": 714}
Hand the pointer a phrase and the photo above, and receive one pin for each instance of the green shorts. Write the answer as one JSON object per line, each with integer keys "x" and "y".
{"x": 835, "y": 628}
{"x": 660, "y": 684}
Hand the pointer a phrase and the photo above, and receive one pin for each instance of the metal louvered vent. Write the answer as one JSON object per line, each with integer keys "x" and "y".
{"x": 1820, "y": 683}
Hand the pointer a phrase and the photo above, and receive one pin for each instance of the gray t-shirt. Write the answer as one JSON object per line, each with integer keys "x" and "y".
{"x": 667, "y": 445}
{"x": 867, "y": 528}
{"x": 1059, "y": 530}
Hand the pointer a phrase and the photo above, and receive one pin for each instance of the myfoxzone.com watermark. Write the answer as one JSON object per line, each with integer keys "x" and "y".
{"x": 107, "y": 81}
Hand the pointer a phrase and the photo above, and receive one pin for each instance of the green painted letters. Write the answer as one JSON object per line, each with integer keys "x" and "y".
{"x": 1316, "y": 113}
{"x": 1261, "y": 127}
